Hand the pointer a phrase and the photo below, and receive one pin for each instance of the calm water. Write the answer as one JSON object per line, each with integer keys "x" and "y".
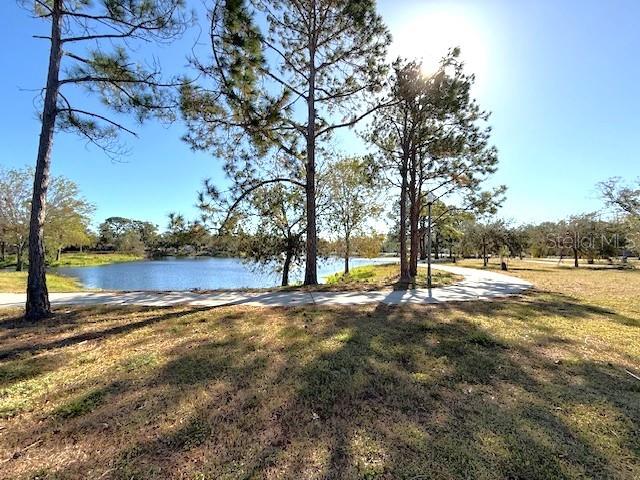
{"x": 195, "y": 273}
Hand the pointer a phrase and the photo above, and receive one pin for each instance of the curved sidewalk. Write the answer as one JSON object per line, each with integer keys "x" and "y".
{"x": 477, "y": 285}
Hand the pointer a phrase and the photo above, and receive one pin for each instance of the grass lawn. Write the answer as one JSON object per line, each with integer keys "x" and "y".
{"x": 533, "y": 387}
{"x": 93, "y": 259}
{"x": 374, "y": 277}
{"x": 16, "y": 282}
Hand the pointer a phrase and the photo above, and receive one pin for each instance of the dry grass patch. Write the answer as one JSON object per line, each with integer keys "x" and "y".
{"x": 532, "y": 387}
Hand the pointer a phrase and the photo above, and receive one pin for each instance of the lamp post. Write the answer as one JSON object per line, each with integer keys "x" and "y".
{"x": 430, "y": 199}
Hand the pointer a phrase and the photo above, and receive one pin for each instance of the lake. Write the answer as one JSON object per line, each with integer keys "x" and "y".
{"x": 205, "y": 273}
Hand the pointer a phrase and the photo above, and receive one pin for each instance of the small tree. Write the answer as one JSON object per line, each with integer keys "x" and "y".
{"x": 484, "y": 238}
{"x": 446, "y": 220}
{"x": 175, "y": 236}
{"x": 352, "y": 200}
{"x": 131, "y": 242}
{"x": 182, "y": 233}
{"x": 625, "y": 200}
{"x": 68, "y": 216}
{"x": 280, "y": 229}
{"x": 589, "y": 236}
{"x": 542, "y": 239}
{"x": 267, "y": 222}
{"x": 368, "y": 245}
{"x": 517, "y": 240}
{"x": 90, "y": 43}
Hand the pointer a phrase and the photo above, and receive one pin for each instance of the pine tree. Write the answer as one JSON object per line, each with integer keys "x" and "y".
{"x": 434, "y": 140}
{"x": 90, "y": 45}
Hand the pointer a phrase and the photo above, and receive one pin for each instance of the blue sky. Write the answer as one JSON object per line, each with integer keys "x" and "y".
{"x": 559, "y": 76}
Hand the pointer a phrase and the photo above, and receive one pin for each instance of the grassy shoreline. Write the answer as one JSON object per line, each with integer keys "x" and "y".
{"x": 93, "y": 259}
{"x": 16, "y": 282}
{"x": 80, "y": 260}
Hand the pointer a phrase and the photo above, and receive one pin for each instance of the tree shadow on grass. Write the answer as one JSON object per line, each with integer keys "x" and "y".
{"x": 74, "y": 316}
{"x": 64, "y": 316}
{"x": 19, "y": 370}
{"x": 369, "y": 392}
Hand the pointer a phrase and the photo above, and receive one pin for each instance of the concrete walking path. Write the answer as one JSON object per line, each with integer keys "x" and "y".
{"x": 477, "y": 285}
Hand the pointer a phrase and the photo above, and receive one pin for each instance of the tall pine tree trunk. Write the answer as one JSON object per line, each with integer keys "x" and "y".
{"x": 404, "y": 267}
{"x": 38, "y": 305}
{"x": 3, "y": 251}
{"x": 414, "y": 239}
{"x": 414, "y": 216}
{"x": 311, "y": 247}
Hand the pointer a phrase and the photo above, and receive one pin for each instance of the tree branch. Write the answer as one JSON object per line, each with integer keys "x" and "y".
{"x": 353, "y": 121}
{"x": 98, "y": 116}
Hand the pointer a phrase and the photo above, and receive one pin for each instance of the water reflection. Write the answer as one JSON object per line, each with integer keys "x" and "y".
{"x": 195, "y": 273}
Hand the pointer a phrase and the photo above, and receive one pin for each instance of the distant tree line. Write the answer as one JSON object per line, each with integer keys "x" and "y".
{"x": 587, "y": 236}
{"x": 604, "y": 235}
{"x": 611, "y": 234}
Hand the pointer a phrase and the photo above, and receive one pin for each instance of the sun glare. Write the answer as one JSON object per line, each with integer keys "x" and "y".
{"x": 429, "y": 34}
